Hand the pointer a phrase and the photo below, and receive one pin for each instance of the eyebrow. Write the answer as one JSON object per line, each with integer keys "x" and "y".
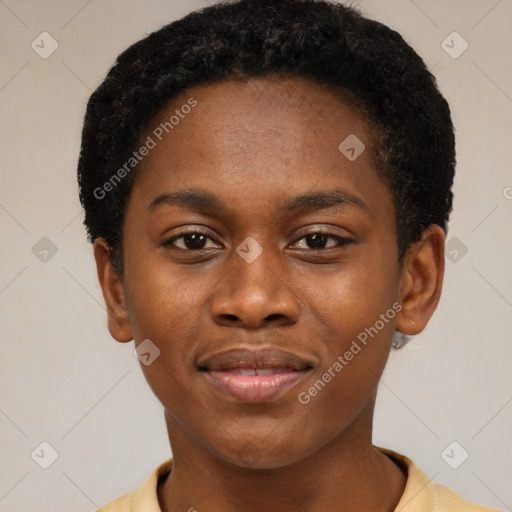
{"x": 197, "y": 200}
{"x": 323, "y": 200}
{"x": 208, "y": 203}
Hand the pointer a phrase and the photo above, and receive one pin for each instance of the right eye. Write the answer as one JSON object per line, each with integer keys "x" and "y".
{"x": 190, "y": 241}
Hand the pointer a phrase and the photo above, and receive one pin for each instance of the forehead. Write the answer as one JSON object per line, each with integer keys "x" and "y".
{"x": 279, "y": 111}
{"x": 261, "y": 139}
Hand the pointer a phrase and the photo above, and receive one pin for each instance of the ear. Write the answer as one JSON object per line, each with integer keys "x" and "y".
{"x": 113, "y": 293}
{"x": 421, "y": 281}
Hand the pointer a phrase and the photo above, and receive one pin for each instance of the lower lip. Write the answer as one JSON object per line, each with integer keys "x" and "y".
{"x": 255, "y": 388}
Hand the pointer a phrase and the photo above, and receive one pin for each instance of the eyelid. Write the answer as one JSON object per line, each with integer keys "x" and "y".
{"x": 340, "y": 242}
{"x": 326, "y": 231}
{"x": 168, "y": 241}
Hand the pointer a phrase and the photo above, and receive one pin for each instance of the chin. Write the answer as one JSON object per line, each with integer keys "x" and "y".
{"x": 260, "y": 454}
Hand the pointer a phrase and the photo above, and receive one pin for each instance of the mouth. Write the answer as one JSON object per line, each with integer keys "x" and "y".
{"x": 254, "y": 376}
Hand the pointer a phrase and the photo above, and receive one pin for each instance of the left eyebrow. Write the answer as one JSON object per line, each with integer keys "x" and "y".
{"x": 323, "y": 200}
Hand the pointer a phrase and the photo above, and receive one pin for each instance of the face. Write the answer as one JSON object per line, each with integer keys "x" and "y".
{"x": 257, "y": 256}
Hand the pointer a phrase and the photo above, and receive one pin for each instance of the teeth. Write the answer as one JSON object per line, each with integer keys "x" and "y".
{"x": 259, "y": 371}
{"x": 265, "y": 371}
{"x": 247, "y": 372}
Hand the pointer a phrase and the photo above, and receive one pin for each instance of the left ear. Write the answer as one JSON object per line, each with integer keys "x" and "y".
{"x": 421, "y": 281}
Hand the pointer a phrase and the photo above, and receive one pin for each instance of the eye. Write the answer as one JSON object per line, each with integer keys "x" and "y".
{"x": 191, "y": 241}
{"x": 321, "y": 240}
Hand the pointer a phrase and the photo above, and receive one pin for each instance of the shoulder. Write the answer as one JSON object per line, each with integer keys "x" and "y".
{"x": 144, "y": 499}
{"x": 448, "y": 500}
{"x": 421, "y": 494}
{"x": 122, "y": 504}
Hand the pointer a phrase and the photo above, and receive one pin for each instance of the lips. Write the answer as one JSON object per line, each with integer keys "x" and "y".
{"x": 261, "y": 358}
{"x": 254, "y": 375}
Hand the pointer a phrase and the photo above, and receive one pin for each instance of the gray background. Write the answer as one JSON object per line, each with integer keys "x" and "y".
{"x": 66, "y": 382}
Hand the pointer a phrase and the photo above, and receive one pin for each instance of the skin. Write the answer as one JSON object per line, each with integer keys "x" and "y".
{"x": 255, "y": 145}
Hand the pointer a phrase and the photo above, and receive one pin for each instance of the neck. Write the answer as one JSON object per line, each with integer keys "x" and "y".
{"x": 348, "y": 473}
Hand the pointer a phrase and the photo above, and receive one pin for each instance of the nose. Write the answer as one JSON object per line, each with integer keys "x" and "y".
{"x": 254, "y": 295}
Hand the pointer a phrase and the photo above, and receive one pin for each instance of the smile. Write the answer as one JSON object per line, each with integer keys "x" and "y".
{"x": 254, "y": 376}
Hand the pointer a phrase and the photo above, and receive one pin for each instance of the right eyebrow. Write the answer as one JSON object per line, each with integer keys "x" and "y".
{"x": 197, "y": 200}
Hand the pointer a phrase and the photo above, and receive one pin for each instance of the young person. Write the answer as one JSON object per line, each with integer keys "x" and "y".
{"x": 267, "y": 186}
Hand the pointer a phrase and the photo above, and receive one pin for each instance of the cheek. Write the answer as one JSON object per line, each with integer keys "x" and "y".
{"x": 357, "y": 312}
{"x": 160, "y": 312}
{"x": 160, "y": 300}
{"x": 353, "y": 299}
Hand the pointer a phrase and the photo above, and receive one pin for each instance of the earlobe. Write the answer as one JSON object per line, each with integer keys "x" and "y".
{"x": 113, "y": 293}
{"x": 421, "y": 281}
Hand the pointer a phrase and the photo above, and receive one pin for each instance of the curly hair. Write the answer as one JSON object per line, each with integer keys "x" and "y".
{"x": 325, "y": 42}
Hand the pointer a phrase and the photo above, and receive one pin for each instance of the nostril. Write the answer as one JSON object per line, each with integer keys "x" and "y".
{"x": 230, "y": 318}
{"x": 274, "y": 316}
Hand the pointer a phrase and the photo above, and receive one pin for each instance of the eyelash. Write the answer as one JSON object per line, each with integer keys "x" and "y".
{"x": 169, "y": 243}
{"x": 341, "y": 241}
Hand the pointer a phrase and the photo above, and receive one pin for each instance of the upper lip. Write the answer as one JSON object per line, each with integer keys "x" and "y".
{"x": 263, "y": 357}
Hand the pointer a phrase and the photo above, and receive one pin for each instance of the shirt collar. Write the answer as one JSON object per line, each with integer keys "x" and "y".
{"x": 415, "y": 497}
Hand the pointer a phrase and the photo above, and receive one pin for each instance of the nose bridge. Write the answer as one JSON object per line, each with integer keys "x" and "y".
{"x": 254, "y": 290}
{"x": 254, "y": 269}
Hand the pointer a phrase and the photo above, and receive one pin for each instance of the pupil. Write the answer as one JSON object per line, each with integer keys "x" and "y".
{"x": 317, "y": 241}
{"x": 194, "y": 241}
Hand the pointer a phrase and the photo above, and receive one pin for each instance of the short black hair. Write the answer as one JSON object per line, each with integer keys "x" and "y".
{"x": 325, "y": 42}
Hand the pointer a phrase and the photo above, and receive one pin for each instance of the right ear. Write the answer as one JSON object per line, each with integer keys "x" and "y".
{"x": 113, "y": 293}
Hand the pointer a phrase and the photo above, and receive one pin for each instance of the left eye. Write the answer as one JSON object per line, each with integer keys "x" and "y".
{"x": 190, "y": 241}
{"x": 317, "y": 241}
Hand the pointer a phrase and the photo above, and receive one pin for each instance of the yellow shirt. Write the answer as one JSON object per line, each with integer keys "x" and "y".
{"x": 420, "y": 495}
